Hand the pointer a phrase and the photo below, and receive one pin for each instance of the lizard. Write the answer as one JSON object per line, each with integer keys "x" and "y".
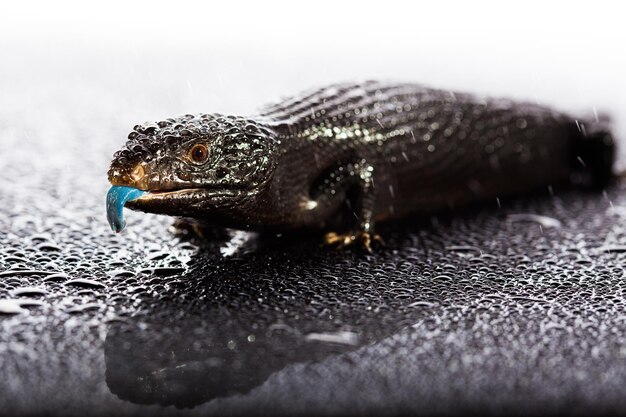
{"x": 343, "y": 157}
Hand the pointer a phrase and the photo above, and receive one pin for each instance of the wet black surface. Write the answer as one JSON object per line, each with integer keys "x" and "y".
{"x": 488, "y": 310}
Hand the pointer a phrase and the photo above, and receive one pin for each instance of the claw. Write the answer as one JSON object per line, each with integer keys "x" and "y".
{"x": 362, "y": 239}
{"x": 185, "y": 229}
{"x": 190, "y": 230}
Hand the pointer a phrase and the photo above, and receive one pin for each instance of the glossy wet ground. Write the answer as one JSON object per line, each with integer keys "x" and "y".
{"x": 512, "y": 309}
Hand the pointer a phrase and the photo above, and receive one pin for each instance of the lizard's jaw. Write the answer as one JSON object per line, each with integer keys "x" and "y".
{"x": 184, "y": 202}
{"x": 170, "y": 197}
{"x": 171, "y": 202}
{"x": 174, "y": 202}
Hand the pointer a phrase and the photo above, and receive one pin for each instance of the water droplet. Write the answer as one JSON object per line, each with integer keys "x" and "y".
{"x": 28, "y": 292}
{"x": 84, "y": 283}
{"x": 341, "y": 337}
{"x": 543, "y": 221}
{"x": 11, "y": 307}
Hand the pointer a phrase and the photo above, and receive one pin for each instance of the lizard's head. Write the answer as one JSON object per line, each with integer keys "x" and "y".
{"x": 195, "y": 166}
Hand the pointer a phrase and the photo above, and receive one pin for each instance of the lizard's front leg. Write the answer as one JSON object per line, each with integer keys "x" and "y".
{"x": 353, "y": 181}
{"x": 186, "y": 228}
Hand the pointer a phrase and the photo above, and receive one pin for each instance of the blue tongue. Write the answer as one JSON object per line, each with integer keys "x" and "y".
{"x": 116, "y": 198}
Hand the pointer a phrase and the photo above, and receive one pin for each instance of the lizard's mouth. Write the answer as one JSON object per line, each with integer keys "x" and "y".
{"x": 177, "y": 195}
{"x": 151, "y": 195}
{"x": 157, "y": 201}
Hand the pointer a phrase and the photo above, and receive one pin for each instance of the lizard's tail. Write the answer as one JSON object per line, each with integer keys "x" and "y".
{"x": 595, "y": 152}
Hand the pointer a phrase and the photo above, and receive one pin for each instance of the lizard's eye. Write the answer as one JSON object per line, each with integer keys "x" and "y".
{"x": 198, "y": 153}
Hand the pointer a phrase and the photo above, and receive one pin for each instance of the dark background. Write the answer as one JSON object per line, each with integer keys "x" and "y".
{"x": 488, "y": 310}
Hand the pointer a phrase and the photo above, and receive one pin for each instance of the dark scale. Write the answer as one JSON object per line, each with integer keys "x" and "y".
{"x": 374, "y": 151}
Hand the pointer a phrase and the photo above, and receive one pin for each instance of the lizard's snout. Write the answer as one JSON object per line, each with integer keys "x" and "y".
{"x": 135, "y": 177}
{"x": 138, "y": 173}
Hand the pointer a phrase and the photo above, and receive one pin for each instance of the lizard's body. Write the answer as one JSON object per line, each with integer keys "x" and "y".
{"x": 386, "y": 149}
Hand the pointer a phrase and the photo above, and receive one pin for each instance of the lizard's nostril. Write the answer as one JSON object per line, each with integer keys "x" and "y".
{"x": 138, "y": 173}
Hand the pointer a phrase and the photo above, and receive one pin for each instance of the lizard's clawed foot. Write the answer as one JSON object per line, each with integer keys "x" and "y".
{"x": 190, "y": 230}
{"x": 360, "y": 239}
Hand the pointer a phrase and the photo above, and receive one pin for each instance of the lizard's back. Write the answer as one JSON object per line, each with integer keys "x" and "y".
{"x": 434, "y": 148}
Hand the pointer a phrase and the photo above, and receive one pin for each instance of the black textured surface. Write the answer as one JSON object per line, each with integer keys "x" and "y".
{"x": 488, "y": 310}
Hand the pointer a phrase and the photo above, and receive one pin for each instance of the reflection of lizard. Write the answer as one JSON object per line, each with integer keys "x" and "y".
{"x": 187, "y": 364}
{"x": 379, "y": 151}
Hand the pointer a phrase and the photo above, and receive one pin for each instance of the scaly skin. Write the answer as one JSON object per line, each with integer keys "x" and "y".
{"x": 381, "y": 150}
